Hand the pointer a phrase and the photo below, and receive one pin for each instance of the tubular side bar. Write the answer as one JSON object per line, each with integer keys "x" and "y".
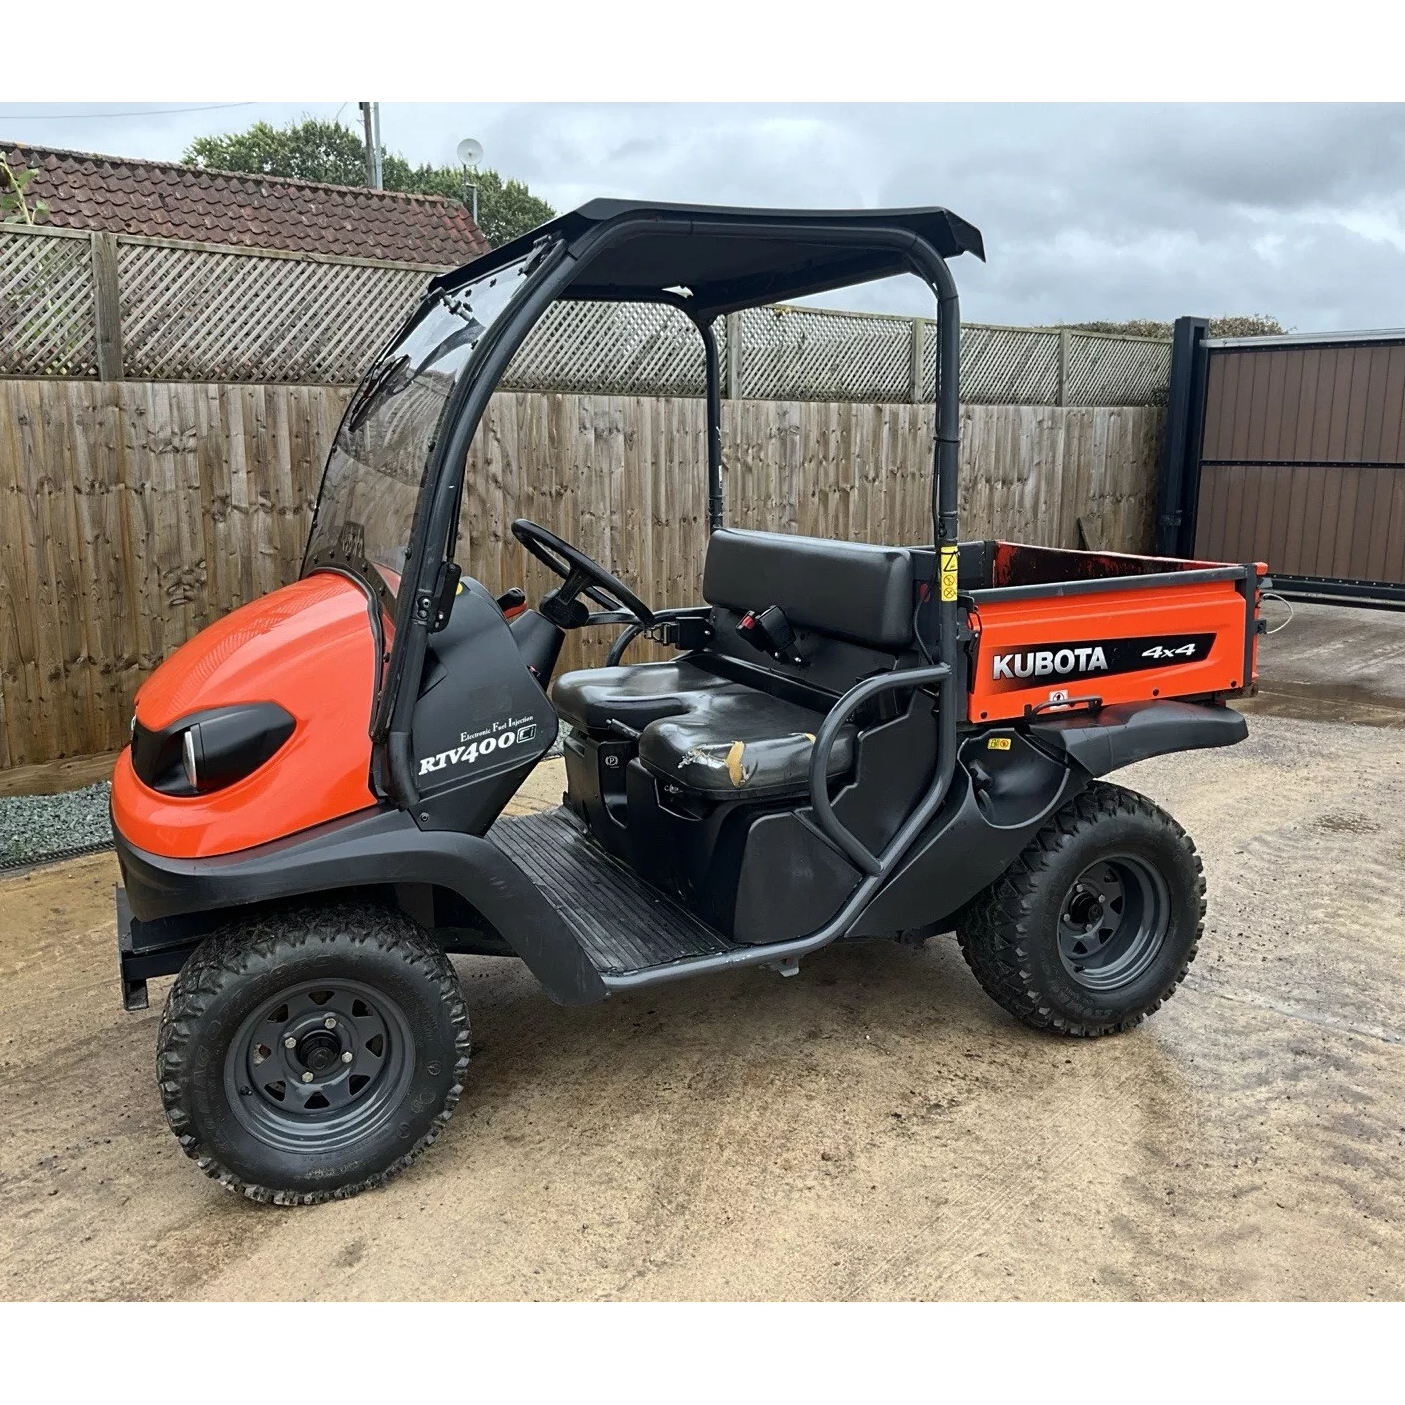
{"x": 876, "y": 868}
{"x": 829, "y": 823}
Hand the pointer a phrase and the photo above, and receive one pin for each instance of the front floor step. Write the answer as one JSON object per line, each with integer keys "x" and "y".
{"x": 623, "y": 923}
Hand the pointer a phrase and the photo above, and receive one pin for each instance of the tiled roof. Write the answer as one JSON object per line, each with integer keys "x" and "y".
{"x": 170, "y": 201}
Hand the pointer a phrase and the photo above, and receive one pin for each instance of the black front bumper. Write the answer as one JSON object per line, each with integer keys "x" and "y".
{"x": 146, "y": 949}
{"x": 169, "y": 905}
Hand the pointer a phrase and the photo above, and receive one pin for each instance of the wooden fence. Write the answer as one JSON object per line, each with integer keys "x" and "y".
{"x": 134, "y": 513}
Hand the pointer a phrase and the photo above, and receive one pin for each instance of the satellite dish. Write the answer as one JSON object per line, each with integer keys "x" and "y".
{"x": 470, "y": 152}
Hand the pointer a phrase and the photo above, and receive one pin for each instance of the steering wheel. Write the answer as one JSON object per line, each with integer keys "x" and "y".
{"x": 581, "y": 576}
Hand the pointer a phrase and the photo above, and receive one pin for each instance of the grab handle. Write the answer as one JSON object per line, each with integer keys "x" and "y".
{"x": 829, "y": 823}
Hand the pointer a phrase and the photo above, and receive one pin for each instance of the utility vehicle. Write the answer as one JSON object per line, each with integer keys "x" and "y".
{"x": 851, "y": 741}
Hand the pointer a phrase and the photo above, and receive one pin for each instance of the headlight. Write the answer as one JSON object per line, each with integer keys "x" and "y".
{"x": 209, "y": 750}
{"x": 192, "y": 771}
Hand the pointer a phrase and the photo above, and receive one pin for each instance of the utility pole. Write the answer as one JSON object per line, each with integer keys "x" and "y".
{"x": 371, "y": 121}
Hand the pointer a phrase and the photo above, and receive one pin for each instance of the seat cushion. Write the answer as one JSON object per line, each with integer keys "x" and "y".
{"x": 635, "y": 694}
{"x": 739, "y": 743}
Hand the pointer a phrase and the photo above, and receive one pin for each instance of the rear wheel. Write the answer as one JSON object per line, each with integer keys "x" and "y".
{"x": 1096, "y": 922}
{"x": 312, "y": 1054}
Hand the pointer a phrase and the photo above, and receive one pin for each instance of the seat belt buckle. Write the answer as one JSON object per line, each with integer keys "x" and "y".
{"x": 770, "y": 631}
{"x": 512, "y": 602}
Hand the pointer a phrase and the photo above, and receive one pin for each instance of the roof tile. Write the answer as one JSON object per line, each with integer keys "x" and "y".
{"x": 87, "y": 191}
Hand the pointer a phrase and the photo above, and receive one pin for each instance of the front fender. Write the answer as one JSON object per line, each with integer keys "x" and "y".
{"x": 371, "y": 848}
{"x": 1119, "y": 735}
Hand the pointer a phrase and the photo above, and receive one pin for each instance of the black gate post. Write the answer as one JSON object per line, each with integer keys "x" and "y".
{"x": 1178, "y": 486}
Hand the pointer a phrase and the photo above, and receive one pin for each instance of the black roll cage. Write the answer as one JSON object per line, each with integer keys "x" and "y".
{"x": 561, "y": 262}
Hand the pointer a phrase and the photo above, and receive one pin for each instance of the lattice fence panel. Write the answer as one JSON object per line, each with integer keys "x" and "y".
{"x": 1105, "y": 370}
{"x": 999, "y": 365}
{"x": 610, "y": 348}
{"x": 46, "y": 306}
{"x": 194, "y": 314}
{"x": 211, "y": 314}
{"x": 797, "y": 353}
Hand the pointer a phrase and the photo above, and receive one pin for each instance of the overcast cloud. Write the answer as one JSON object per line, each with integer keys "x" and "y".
{"x": 1088, "y": 211}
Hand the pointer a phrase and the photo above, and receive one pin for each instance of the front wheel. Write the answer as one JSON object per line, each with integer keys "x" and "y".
{"x": 310, "y": 1054}
{"x": 1096, "y": 922}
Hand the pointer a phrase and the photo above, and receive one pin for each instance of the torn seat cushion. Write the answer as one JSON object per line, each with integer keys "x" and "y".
{"x": 740, "y": 744}
{"x": 635, "y": 694}
{"x": 700, "y": 731}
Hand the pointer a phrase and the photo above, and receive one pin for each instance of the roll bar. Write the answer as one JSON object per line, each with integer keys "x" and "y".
{"x": 560, "y": 264}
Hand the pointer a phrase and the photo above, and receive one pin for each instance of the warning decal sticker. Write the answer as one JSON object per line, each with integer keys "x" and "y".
{"x": 949, "y": 568}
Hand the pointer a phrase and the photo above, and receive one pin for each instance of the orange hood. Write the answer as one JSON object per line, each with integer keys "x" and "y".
{"x": 309, "y": 647}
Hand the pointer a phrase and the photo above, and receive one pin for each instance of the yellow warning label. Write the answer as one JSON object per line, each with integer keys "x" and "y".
{"x": 949, "y": 573}
{"x": 998, "y": 744}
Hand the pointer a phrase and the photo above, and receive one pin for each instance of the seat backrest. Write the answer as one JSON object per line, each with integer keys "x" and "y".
{"x": 848, "y": 590}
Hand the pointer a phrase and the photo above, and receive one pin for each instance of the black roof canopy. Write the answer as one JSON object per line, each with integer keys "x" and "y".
{"x": 728, "y": 258}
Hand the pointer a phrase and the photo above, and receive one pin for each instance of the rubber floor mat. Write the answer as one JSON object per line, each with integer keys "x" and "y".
{"x": 622, "y": 922}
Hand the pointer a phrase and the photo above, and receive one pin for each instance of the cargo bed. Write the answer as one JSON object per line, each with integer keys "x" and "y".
{"x": 1055, "y": 628}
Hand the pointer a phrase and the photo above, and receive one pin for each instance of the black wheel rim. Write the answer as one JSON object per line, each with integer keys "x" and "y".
{"x": 319, "y": 1066}
{"x": 1113, "y": 922}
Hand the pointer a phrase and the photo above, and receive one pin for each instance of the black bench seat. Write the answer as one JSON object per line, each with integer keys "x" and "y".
{"x": 701, "y": 732}
{"x": 713, "y": 736}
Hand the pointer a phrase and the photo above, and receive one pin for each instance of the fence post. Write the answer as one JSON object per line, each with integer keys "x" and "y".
{"x": 732, "y": 389}
{"x": 1178, "y": 477}
{"x": 914, "y": 367}
{"x": 107, "y": 307}
{"x": 1061, "y": 395}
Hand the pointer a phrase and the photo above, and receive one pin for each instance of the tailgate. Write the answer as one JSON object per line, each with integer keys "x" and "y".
{"x": 1190, "y": 634}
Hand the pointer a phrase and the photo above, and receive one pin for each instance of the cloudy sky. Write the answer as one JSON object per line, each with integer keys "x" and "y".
{"x": 1088, "y": 211}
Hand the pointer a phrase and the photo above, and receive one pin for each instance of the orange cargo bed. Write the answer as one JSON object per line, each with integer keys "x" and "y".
{"x": 1058, "y": 628}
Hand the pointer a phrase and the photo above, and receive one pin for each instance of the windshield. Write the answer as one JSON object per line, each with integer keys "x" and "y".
{"x": 366, "y": 505}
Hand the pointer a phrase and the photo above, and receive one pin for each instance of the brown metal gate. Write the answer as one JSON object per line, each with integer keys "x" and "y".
{"x": 1301, "y": 461}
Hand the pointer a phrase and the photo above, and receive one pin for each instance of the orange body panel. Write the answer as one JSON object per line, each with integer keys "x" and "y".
{"x": 1029, "y": 635}
{"x": 308, "y": 647}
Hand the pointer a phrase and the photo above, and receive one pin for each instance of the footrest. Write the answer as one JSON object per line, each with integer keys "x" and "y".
{"x": 623, "y": 923}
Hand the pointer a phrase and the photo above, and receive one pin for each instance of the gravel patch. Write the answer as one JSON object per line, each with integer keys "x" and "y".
{"x": 34, "y": 826}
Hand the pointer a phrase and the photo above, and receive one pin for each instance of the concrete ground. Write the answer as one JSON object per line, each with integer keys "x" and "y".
{"x": 873, "y": 1128}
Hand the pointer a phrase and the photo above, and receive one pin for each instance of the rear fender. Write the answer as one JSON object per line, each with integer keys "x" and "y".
{"x": 1116, "y": 736}
{"x": 971, "y": 841}
{"x": 1010, "y": 780}
{"x": 371, "y": 848}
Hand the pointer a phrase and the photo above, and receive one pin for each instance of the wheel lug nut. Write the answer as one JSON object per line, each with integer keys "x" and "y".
{"x": 307, "y": 1076}
{"x": 330, "y": 1022}
{"x": 346, "y": 1057}
{"x": 290, "y": 1043}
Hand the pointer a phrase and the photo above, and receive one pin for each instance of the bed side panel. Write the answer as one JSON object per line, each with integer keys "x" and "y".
{"x": 1166, "y": 641}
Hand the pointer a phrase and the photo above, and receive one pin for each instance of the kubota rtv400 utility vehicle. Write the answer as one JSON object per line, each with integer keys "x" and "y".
{"x": 852, "y": 741}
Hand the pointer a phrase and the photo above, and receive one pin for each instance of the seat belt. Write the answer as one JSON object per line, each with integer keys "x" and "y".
{"x": 770, "y": 631}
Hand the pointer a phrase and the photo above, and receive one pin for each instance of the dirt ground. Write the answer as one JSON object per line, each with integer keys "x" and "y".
{"x": 872, "y": 1128}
